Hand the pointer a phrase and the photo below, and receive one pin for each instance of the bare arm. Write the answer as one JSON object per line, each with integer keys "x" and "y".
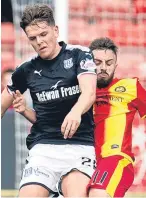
{"x": 6, "y": 101}
{"x": 19, "y": 105}
{"x": 87, "y": 83}
{"x": 30, "y": 115}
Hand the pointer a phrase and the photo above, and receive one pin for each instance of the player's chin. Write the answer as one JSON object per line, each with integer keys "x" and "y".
{"x": 102, "y": 79}
{"x": 44, "y": 55}
{"x": 103, "y": 82}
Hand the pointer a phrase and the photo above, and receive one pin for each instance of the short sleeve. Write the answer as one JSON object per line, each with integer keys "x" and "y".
{"x": 85, "y": 62}
{"x": 18, "y": 81}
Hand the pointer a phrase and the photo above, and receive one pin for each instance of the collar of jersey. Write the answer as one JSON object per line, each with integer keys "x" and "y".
{"x": 63, "y": 45}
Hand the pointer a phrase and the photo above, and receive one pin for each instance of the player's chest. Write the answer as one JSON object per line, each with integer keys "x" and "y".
{"x": 45, "y": 78}
{"x": 113, "y": 98}
{"x": 48, "y": 85}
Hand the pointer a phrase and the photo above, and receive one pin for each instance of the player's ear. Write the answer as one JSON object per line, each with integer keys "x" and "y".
{"x": 116, "y": 64}
{"x": 56, "y": 31}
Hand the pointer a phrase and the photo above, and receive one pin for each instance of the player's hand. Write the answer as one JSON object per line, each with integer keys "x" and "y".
{"x": 70, "y": 124}
{"x": 19, "y": 102}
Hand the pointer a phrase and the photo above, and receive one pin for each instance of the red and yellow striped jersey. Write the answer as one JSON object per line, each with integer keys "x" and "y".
{"x": 114, "y": 110}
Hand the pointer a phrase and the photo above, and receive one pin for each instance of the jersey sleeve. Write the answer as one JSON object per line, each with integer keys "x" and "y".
{"x": 18, "y": 81}
{"x": 141, "y": 100}
{"x": 85, "y": 63}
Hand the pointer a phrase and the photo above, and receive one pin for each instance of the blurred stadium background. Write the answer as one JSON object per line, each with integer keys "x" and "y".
{"x": 80, "y": 21}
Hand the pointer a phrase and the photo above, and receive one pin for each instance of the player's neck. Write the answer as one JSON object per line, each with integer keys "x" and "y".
{"x": 56, "y": 51}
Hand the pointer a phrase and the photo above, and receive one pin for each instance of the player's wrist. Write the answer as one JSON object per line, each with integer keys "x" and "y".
{"x": 24, "y": 111}
{"x": 77, "y": 111}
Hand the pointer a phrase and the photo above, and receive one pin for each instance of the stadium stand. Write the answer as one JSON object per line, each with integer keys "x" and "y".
{"x": 139, "y": 6}
{"x": 7, "y": 45}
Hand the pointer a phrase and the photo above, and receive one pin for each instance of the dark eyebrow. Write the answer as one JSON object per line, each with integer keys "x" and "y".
{"x": 101, "y": 60}
{"x": 97, "y": 59}
{"x": 31, "y": 37}
{"x": 45, "y": 31}
{"x": 39, "y": 34}
{"x": 109, "y": 59}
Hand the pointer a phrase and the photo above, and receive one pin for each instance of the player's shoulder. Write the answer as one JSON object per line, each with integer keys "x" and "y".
{"x": 129, "y": 80}
{"x": 78, "y": 48}
{"x": 27, "y": 64}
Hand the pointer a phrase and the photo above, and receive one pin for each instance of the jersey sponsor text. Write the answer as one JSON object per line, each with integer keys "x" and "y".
{"x": 58, "y": 93}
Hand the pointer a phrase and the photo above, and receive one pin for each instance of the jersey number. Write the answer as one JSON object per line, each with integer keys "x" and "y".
{"x": 88, "y": 162}
{"x": 100, "y": 180}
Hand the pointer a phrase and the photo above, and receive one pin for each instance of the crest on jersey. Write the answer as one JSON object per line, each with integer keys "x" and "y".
{"x": 120, "y": 89}
{"x": 68, "y": 63}
{"x": 114, "y": 146}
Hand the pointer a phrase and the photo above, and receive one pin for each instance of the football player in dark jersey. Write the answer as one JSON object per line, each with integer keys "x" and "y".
{"x": 62, "y": 84}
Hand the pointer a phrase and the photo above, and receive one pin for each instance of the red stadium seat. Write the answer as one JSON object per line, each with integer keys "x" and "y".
{"x": 77, "y": 23}
{"x": 77, "y": 30}
{"x": 7, "y": 33}
{"x": 7, "y": 60}
{"x": 139, "y": 6}
{"x": 113, "y": 6}
{"x": 7, "y": 47}
{"x": 124, "y": 32}
{"x": 129, "y": 64}
{"x": 82, "y": 32}
{"x": 78, "y": 5}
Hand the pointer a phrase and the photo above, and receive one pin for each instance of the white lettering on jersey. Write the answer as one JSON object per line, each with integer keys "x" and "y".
{"x": 69, "y": 91}
{"x": 47, "y": 95}
{"x": 58, "y": 93}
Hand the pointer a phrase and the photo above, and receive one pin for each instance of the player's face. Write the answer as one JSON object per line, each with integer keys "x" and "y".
{"x": 105, "y": 61}
{"x": 43, "y": 39}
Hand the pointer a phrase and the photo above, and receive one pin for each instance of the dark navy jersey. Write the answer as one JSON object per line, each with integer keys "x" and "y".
{"x": 54, "y": 90}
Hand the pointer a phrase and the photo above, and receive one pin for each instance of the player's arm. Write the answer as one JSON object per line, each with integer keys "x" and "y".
{"x": 19, "y": 105}
{"x": 6, "y": 101}
{"x": 29, "y": 114}
{"x": 86, "y": 75}
{"x": 18, "y": 82}
{"x": 87, "y": 84}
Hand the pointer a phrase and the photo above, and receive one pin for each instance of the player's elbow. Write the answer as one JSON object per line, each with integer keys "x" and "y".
{"x": 2, "y": 111}
{"x": 93, "y": 96}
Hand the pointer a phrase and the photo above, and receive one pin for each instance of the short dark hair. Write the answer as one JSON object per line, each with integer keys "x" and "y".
{"x": 103, "y": 44}
{"x": 37, "y": 13}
